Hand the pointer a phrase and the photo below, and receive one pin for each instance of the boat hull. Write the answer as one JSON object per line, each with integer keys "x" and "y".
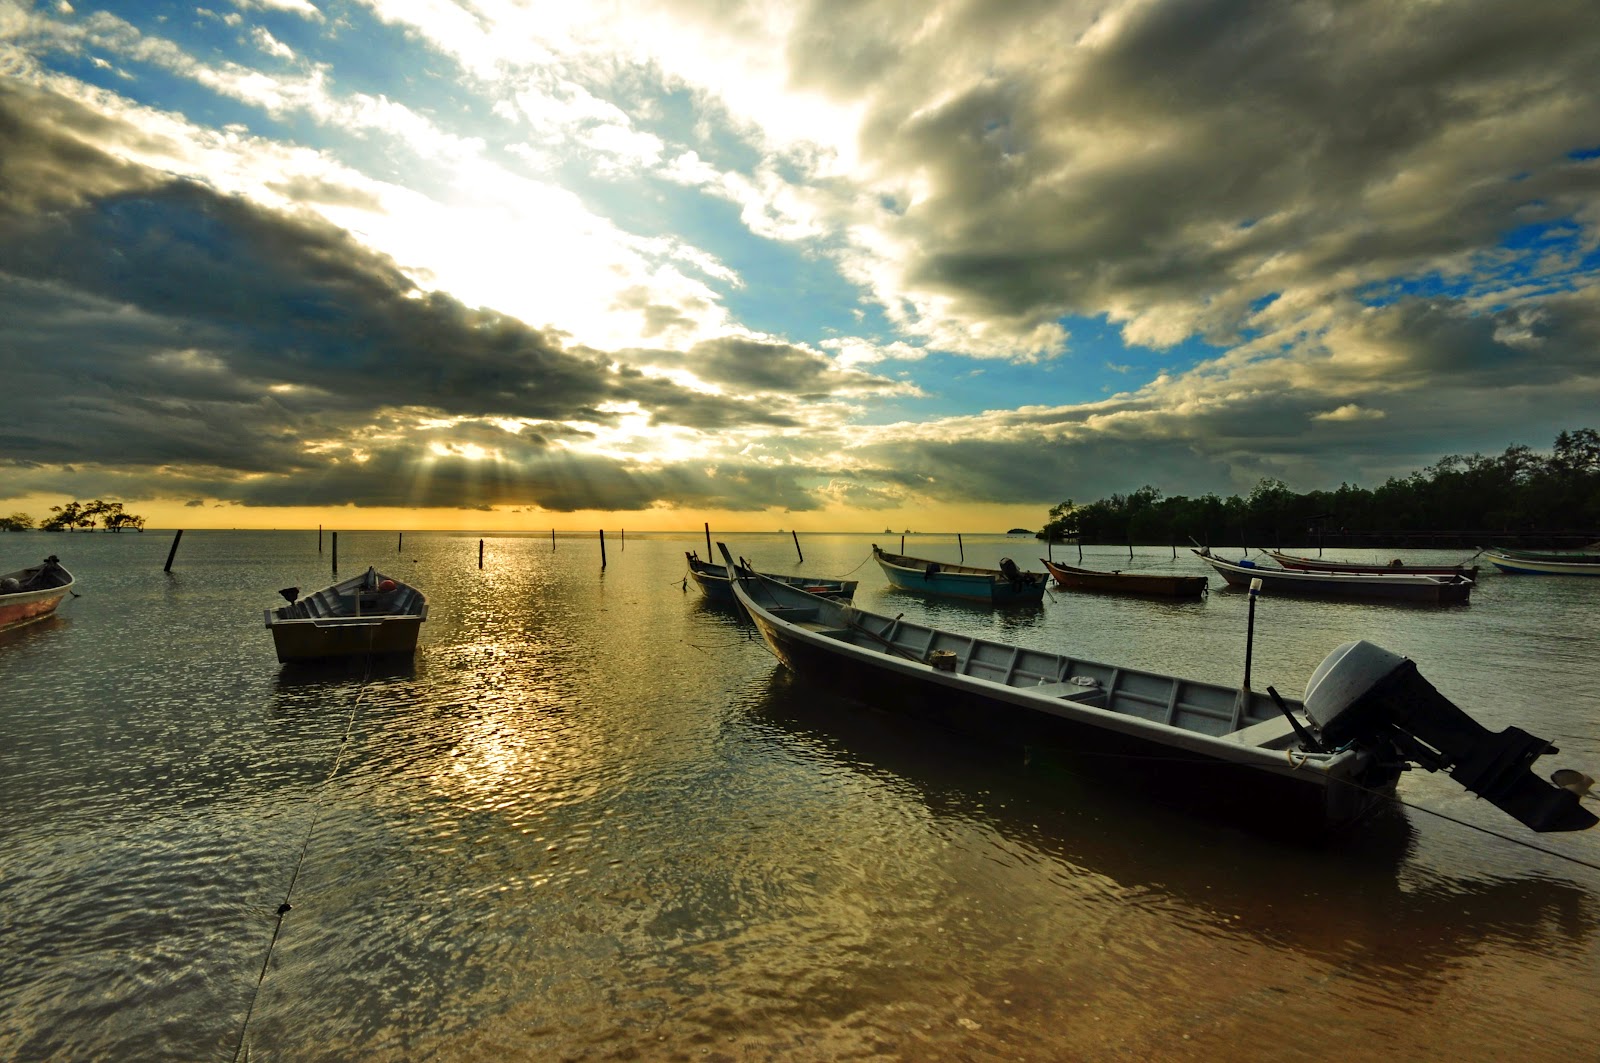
{"x": 371, "y": 615}
{"x": 326, "y": 639}
{"x": 1195, "y": 770}
{"x": 714, "y": 583}
{"x": 1316, "y": 564}
{"x": 1529, "y": 565}
{"x": 1141, "y": 584}
{"x": 1422, "y": 590}
{"x": 34, "y": 603}
{"x": 32, "y": 606}
{"x": 960, "y": 582}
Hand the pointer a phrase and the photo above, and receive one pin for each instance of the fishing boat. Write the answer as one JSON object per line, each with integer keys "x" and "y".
{"x": 1006, "y": 585}
{"x": 1149, "y": 584}
{"x": 1317, "y": 564}
{"x": 1385, "y": 586}
{"x": 366, "y": 615}
{"x": 1526, "y": 562}
{"x": 32, "y": 593}
{"x": 1325, "y": 761}
{"x": 713, "y": 581}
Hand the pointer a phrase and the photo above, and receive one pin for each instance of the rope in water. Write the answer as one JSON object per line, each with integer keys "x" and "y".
{"x": 316, "y": 810}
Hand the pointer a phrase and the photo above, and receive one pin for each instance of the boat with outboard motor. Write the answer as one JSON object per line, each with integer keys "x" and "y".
{"x": 1006, "y": 585}
{"x": 1323, "y": 763}
{"x": 32, "y": 593}
{"x": 366, "y": 615}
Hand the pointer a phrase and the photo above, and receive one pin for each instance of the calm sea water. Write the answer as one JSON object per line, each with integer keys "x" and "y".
{"x": 597, "y": 820}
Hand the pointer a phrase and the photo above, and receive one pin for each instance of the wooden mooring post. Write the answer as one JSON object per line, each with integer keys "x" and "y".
{"x": 797, "y": 552}
{"x": 602, "y": 548}
{"x": 173, "y": 552}
{"x": 480, "y": 553}
{"x": 335, "y": 553}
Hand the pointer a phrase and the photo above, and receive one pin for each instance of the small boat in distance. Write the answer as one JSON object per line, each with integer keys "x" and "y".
{"x": 1541, "y": 563}
{"x": 1384, "y": 586}
{"x": 713, "y": 581}
{"x": 1317, "y": 564}
{"x": 32, "y": 593}
{"x": 370, "y": 614}
{"x": 1006, "y": 585}
{"x": 1317, "y": 764}
{"x": 1148, "y": 584}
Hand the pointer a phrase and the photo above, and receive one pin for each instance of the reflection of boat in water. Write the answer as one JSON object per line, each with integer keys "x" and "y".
{"x": 1354, "y": 900}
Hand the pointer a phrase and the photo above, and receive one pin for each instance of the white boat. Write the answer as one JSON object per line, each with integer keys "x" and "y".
{"x": 1523, "y": 563}
{"x": 370, "y": 614}
{"x": 1324, "y": 763}
{"x": 32, "y": 593}
{"x": 1391, "y": 586}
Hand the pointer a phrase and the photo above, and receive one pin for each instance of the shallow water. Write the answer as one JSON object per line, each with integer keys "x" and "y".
{"x": 595, "y": 819}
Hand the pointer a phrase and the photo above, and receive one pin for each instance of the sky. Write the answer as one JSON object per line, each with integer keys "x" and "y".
{"x": 838, "y": 265}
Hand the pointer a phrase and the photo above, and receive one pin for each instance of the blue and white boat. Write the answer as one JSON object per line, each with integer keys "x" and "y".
{"x": 1006, "y": 585}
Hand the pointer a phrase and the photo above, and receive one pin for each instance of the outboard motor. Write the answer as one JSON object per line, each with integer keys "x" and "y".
{"x": 1364, "y": 694}
{"x": 1009, "y": 569}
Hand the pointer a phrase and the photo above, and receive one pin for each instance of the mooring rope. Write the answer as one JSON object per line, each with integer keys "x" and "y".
{"x": 316, "y": 810}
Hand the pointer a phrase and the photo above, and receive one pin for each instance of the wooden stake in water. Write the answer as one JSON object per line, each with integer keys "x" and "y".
{"x": 708, "y": 540}
{"x": 552, "y": 540}
{"x": 602, "y": 548}
{"x": 319, "y": 538}
{"x": 335, "y": 553}
{"x": 797, "y": 552}
{"x": 961, "y": 550}
{"x": 173, "y": 552}
{"x": 400, "y": 543}
{"x": 480, "y": 553}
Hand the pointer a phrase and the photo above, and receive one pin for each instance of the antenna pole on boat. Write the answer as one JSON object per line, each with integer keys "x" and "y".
{"x": 1250, "y": 630}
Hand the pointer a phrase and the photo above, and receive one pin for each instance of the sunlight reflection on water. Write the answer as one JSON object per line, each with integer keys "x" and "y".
{"x": 595, "y": 818}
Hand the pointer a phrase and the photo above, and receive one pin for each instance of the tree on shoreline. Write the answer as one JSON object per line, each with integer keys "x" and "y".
{"x": 1518, "y": 492}
{"x": 85, "y": 515}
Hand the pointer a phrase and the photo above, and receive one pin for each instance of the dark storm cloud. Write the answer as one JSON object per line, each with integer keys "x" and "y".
{"x": 174, "y": 326}
{"x": 1190, "y": 157}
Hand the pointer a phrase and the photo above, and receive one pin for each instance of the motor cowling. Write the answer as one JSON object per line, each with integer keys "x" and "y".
{"x": 1362, "y": 694}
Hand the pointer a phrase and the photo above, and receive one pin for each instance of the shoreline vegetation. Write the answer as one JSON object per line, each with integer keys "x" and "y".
{"x": 1519, "y": 497}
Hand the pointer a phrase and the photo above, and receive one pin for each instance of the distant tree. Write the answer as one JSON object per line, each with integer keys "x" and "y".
{"x": 112, "y": 515}
{"x": 16, "y": 522}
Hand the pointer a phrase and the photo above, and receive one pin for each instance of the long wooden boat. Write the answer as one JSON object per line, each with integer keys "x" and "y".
{"x": 1150, "y": 584}
{"x": 1006, "y": 585}
{"x": 1325, "y": 762}
{"x": 32, "y": 593}
{"x": 1522, "y": 562}
{"x": 1385, "y": 586}
{"x": 370, "y": 614}
{"x": 1317, "y": 564}
{"x": 713, "y": 581}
